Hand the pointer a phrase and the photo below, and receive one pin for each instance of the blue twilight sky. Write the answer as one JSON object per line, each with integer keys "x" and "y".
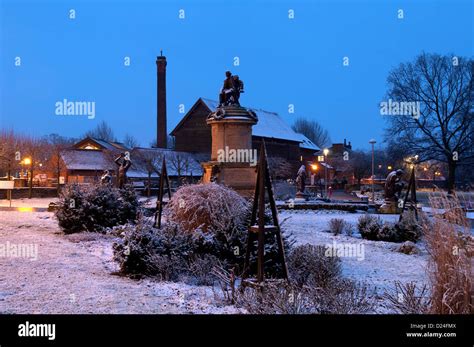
{"x": 282, "y": 61}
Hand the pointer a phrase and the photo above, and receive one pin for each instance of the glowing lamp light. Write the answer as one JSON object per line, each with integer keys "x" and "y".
{"x": 389, "y": 167}
{"x": 27, "y": 161}
{"x": 326, "y": 151}
{"x": 314, "y": 167}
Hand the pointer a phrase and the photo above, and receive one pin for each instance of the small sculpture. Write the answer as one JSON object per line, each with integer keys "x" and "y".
{"x": 230, "y": 92}
{"x": 123, "y": 162}
{"x": 106, "y": 178}
{"x": 301, "y": 180}
{"x": 393, "y": 185}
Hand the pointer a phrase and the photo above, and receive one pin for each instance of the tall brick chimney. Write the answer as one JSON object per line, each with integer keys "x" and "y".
{"x": 161, "y": 131}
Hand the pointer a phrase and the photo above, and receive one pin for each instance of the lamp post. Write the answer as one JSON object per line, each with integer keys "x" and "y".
{"x": 326, "y": 152}
{"x": 372, "y": 142}
{"x": 29, "y": 175}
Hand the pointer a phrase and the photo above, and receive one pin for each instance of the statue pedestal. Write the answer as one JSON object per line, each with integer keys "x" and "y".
{"x": 301, "y": 197}
{"x": 389, "y": 207}
{"x": 233, "y": 161}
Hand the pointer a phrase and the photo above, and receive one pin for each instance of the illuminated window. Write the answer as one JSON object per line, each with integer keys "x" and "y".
{"x": 90, "y": 146}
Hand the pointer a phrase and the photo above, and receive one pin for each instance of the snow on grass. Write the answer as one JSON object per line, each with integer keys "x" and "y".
{"x": 381, "y": 264}
{"x": 25, "y": 202}
{"x": 74, "y": 275}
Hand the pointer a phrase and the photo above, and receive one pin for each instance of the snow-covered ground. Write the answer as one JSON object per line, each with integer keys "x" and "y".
{"x": 75, "y": 273}
{"x": 25, "y": 202}
{"x": 77, "y": 277}
{"x": 378, "y": 264}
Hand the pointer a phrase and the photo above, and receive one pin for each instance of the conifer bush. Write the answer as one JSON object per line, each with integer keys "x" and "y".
{"x": 95, "y": 208}
{"x": 204, "y": 226}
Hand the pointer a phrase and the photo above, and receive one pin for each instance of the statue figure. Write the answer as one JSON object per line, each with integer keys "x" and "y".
{"x": 393, "y": 185}
{"x": 230, "y": 92}
{"x": 123, "y": 162}
{"x": 301, "y": 180}
{"x": 106, "y": 178}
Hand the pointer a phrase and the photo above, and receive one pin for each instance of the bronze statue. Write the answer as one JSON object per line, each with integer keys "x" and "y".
{"x": 106, "y": 178}
{"x": 123, "y": 162}
{"x": 230, "y": 92}
{"x": 393, "y": 185}
{"x": 301, "y": 180}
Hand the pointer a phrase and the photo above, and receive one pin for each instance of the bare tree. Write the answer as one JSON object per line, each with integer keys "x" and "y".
{"x": 313, "y": 131}
{"x": 171, "y": 142}
{"x": 55, "y": 145}
{"x": 10, "y": 154}
{"x": 150, "y": 161}
{"x": 102, "y": 131}
{"x": 180, "y": 162}
{"x": 130, "y": 141}
{"x": 442, "y": 129}
{"x": 35, "y": 150}
{"x": 280, "y": 168}
{"x": 361, "y": 163}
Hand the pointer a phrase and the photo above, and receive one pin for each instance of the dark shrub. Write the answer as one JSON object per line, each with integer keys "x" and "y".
{"x": 145, "y": 250}
{"x": 308, "y": 264}
{"x": 372, "y": 228}
{"x": 341, "y": 297}
{"x": 95, "y": 208}
{"x": 337, "y": 226}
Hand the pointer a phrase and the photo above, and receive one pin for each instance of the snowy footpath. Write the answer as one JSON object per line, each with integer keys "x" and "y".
{"x": 75, "y": 274}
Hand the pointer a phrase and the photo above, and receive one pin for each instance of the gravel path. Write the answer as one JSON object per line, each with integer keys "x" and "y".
{"x": 74, "y": 274}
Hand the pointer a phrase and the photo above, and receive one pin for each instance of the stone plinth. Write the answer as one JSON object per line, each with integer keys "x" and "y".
{"x": 231, "y": 131}
{"x": 389, "y": 207}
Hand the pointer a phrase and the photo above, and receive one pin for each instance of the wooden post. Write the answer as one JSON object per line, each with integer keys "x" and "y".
{"x": 159, "y": 202}
{"x": 411, "y": 190}
{"x": 263, "y": 179}
{"x": 261, "y": 222}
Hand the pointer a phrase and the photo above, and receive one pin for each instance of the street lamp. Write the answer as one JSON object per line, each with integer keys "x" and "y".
{"x": 372, "y": 142}
{"x": 326, "y": 152}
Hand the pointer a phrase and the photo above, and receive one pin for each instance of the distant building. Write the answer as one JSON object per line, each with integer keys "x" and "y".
{"x": 193, "y": 135}
{"x": 339, "y": 164}
{"x": 87, "y": 159}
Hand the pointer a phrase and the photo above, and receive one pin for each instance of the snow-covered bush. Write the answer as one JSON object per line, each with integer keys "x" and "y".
{"x": 209, "y": 207}
{"x": 95, "y": 208}
{"x": 219, "y": 219}
{"x": 170, "y": 254}
{"x": 145, "y": 250}
{"x": 408, "y": 298}
{"x": 308, "y": 264}
{"x": 195, "y": 239}
{"x": 337, "y": 226}
{"x": 369, "y": 226}
{"x": 340, "y": 297}
{"x": 373, "y": 228}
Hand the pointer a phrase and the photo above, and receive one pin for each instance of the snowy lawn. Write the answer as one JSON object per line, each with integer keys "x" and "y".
{"x": 379, "y": 266}
{"x": 25, "y": 202}
{"x": 74, "y": 274}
